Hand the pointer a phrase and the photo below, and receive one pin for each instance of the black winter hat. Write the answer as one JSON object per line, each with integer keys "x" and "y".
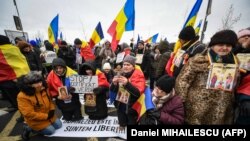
{"x": 58, "y": 62}
{"x": 64, "y": 43}
{"x": 166, "y": 83}
{"x": 4, "y": 40}
{"x": 224, "y": 37}
{"x": 77, "y": 41}
{"x": 187, "y": 33}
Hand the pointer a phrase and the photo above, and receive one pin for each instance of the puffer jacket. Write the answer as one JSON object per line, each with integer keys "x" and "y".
{"x": 35, "y": 109}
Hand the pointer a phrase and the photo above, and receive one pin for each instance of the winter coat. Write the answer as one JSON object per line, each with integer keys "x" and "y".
{"x": 35, "y": 115}
{"x": 33, "y": 60}
{"x": 162, "y": 62}
{"x": 100, "y": 111}
{"x": 243, "y": 94}
{"x": 68, "y": 56}
{"x": 171, "y": 113}
{"x": 202, "y": 106}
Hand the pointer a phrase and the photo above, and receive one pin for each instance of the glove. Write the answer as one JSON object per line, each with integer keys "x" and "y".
{"x": 51, "y": 114}
{"x": 154, "y": 113}
{"x": 245, "y": 108}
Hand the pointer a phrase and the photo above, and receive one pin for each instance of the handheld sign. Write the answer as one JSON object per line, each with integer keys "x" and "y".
{"x": 120, "y": 57}
{"x": 50, "y": 56}
{"x": 84, "y": 83}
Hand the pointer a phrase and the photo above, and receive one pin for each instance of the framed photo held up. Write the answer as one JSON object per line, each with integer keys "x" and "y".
{"x": 222, "y": 77}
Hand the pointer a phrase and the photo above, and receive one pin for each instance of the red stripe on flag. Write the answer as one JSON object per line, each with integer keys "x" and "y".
{"x": 91, "y": 43}
{"x": 6, "y": 71}
{"x": 112, "y": 28}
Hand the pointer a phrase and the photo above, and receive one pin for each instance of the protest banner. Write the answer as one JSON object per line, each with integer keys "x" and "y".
{"x": 108, "y": 127}
{"x": 83, "y": 83}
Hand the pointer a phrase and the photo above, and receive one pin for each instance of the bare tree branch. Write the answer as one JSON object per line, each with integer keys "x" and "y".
{"x": 229, "y": 21}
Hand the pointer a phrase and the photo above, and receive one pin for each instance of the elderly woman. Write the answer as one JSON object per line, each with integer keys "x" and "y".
{"x": 131, "y": 81}
{"x": 203, "y": 106}
{"x": 36, "y": 106}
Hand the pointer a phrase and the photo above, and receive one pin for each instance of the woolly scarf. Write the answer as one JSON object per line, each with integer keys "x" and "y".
{"x": 159, "y": 101}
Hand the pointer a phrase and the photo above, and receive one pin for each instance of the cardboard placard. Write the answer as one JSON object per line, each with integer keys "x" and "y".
{"x": 84, "y": 83}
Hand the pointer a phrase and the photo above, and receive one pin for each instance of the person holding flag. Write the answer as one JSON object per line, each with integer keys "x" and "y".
{"x": 169, "y": 107}
{"x": 190, "y": 46}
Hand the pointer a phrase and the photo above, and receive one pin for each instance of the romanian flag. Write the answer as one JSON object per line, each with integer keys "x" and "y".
{"x": 97, "y": 36}
{"x": 86, "y": 52}
{"x": 152, "y": 39}
{"x": 54, "y": 82}
{"x": 193, "y": 14}
{"x": 124, "y": 21}
{"x": 197, "y": 29}
{"x": 53, "y": 30}
{"x": 144, "y": 103}
{"x": 189, "y": 22}
{"x": 13, "y": 63}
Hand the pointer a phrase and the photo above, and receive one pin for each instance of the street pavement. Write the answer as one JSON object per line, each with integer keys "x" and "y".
{"x": 10, "y": 129}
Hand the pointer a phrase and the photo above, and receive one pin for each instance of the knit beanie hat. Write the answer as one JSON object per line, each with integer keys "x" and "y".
{"x": 187, "y": 33}
{"x": 243, "y": 32}
{"x": 166, "y": 83}
{"x": 58, "y": 62}
{"x": 224, "y": 37}
{"x": 130, "y": 59}
{"x": 33, "y": 77}
{"x": 106, "y": 66}
{"x": 4, "y": 40}
{"x": 125, "y": 46}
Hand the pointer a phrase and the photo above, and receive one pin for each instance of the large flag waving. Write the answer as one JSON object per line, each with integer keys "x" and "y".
{"x": 97, "y": 36}
{"x": 193, "y": 14}
{"x": 152, "y": 39}
{"x": 13, "y": 63}
{"x": 53, "y": 30}
{"x": 124, "y": 21}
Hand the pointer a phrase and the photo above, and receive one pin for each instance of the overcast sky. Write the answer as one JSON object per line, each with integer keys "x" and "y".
{"x": 78, "y": 18}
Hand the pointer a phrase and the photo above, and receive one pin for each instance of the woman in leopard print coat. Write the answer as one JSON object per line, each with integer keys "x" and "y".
{"x": 205, "y": 106}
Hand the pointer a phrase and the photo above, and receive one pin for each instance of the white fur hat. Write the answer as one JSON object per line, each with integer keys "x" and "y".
{"x": 106, "y": 66}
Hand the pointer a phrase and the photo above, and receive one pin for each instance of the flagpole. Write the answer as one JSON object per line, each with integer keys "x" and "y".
{"x": 21, "y": 27}
{"x": 209, "y": 5}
